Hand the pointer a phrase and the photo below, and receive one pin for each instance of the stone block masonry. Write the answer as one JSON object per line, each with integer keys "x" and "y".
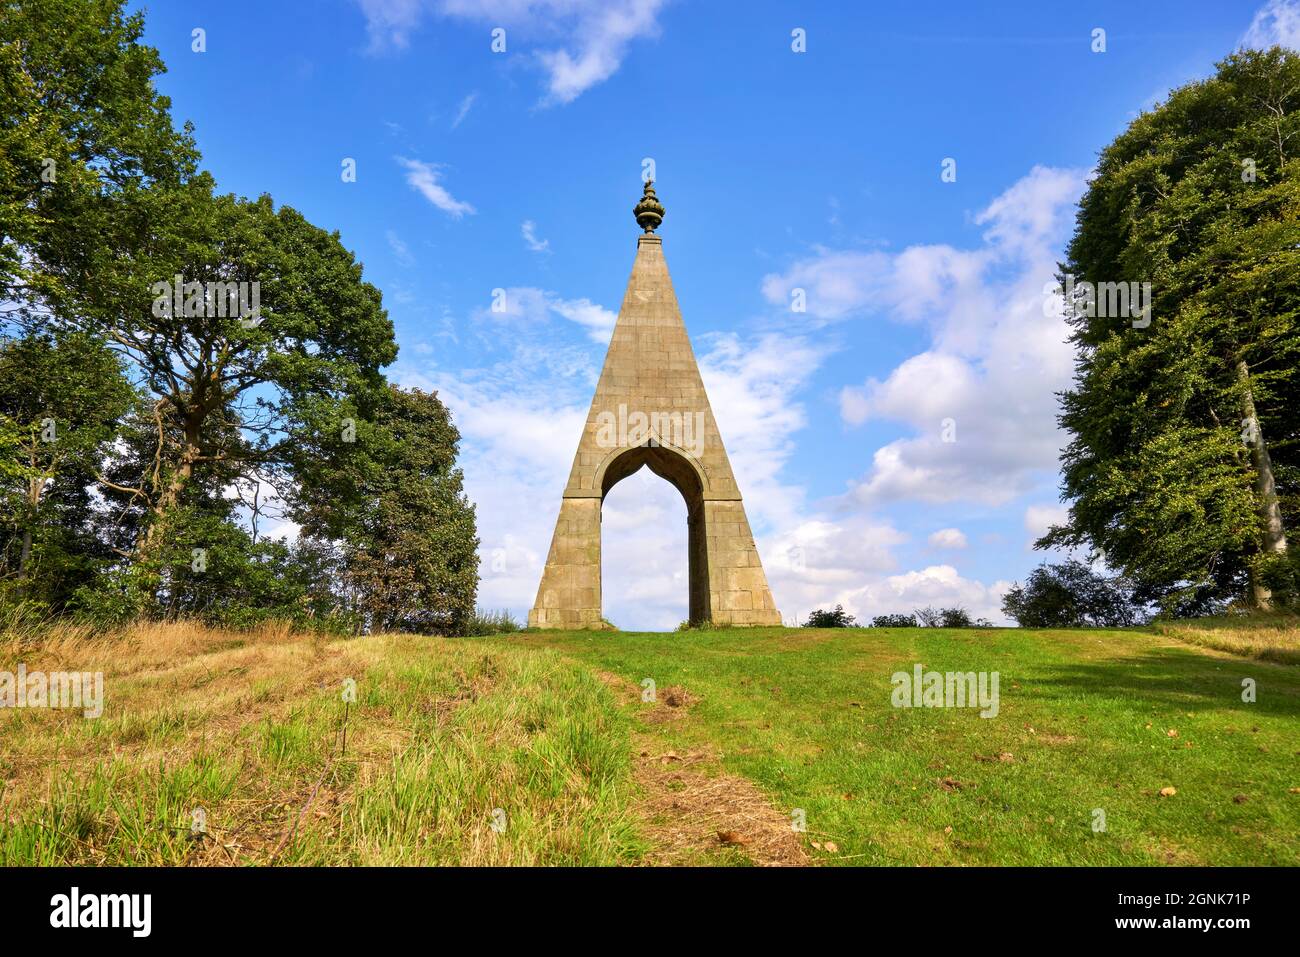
{"x": 651, "y": 387}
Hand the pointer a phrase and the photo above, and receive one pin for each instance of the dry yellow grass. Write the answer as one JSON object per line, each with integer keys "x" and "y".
{"x": 247, "y": 726}
{"x": 1266, "y": 637}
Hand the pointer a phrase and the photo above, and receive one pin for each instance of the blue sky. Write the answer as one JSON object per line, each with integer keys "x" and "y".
{"x": 780, "y": 170}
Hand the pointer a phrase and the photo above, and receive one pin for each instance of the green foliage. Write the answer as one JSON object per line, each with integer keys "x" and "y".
{"x": 212, "y": 570}
{"x": 1281, "y": 573}
{"x": 483, "y": 623}
{"x": 837, "y": 618}
{"x": 231, "y": 389}
{"x": 1070, "y": 595}
{"x": 956, "y": 617}
{"x": 894, "y": 621}
{"x": 80, "y": 122}
{"x": 1199, "y": 197}
{"x": 60, "y": 398}
{"x": 393, "y": 494}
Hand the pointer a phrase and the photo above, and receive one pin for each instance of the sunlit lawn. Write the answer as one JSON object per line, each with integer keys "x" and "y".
{"x": 1090, "y": 723}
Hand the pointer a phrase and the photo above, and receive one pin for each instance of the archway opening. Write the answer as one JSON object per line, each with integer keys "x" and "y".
{"x": 646, "y": 527}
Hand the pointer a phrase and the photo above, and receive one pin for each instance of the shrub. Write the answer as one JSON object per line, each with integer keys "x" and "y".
{"x": 928, "y": 617}
{"x": 1069, "y": 595}
{"x": 1281, "y": 573}
{"x": 955, "y": 618}
{"x": 839, "y": 618}
{"x": 893, "y": 621}
{"x": 490, "y": 623}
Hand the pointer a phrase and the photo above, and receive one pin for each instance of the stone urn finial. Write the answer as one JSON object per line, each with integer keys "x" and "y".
{"x": 649, "y": 212}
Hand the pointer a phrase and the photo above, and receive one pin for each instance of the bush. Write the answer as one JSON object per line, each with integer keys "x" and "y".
{"x": 839, "y": 618}
{"x": 893, "y": 621}
{"x": 1281, "y": 574}
{"x": 490, "y": 623}
{"x": 927, "y": 616}
{"x": 955, "y": 618}
{"x": 1071, "y": 595}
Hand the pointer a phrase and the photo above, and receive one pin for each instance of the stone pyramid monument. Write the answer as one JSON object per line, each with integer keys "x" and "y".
{"x": 650, "y": 410}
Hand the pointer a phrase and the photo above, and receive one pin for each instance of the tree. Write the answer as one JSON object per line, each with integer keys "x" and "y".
{"x": 244, "y": 323}
{"x": 839, "y": 618}
{"x": 1070, "y": 595}
{"x": 391, "y": 493}
{"x": 1184, "y": 466}
{"x": 60, "y": 399}
{"x": 80, "y": 121}
{"x": 893, "y": 621}
{"x": 955, "y": 618}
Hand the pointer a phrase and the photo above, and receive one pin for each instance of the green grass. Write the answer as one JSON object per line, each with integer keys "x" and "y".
{"x": 446, "y": 732}
{"x": 1084, "y": 715}
{"x": 526, "y": 735}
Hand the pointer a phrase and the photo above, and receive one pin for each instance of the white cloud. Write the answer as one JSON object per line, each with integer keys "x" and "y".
{"x": 529, "y": 232}
{"x": 463, "y": 110}
{"x": 597, "y": 33}
{"x": 940, "y": 586}
{"x": 389, "y": 22}
{"x": 993, "y": 361}
{"x": 597, "y": 320}
{"x": 753, "y": 388}
{"x": 992, "y": 364}
{"x": 519, "y": 421}
{"x": 401, "y": 251}
{"x": 821, "y": 561}
{"x": 600, "y": 43}
{"x": 527, "y": 306}
{"x": 424, "y": 179}
{"x": 949, "y": 538}
{"x": 841, "y": 284}
{"x": 1040, "y": 518}
{"x": 1276, "y": 23}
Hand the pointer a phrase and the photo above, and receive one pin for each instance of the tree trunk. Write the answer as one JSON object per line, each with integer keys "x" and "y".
{"x": 1270, "y": 510}
{"x": 23, "y": 559}
{"x": 171, "y": 495}
{"x": 151, "y": 540}
{"x": 34, "y": 490}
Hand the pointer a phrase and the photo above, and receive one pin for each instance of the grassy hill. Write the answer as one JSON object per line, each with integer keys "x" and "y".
{"x": 537, "y": 748}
